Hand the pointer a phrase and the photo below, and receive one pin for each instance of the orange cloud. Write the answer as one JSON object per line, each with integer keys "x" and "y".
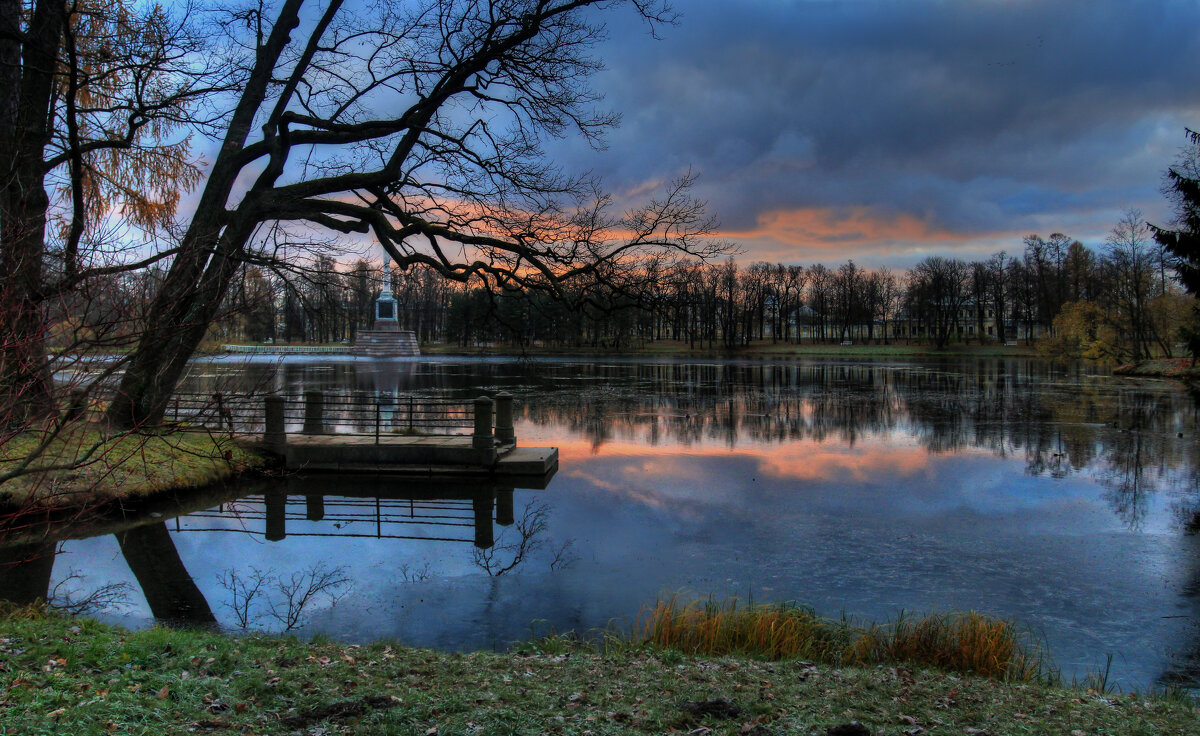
{"x": 806, "y": 460}
{"x": 830, "y": 227}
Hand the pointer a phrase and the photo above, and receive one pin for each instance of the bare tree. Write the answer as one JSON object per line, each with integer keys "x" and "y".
{"x": 1129, "y": 260}
{"x": 937, "y": 293}
{"x": 420, "y": 124}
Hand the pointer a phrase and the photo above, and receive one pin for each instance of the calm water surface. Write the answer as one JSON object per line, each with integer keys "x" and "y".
{"x": 1060, "y": 498}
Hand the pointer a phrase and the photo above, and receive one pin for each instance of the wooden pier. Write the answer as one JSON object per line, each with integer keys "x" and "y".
{"x": 414, "y": 456}
{"x": 409, "y": 439}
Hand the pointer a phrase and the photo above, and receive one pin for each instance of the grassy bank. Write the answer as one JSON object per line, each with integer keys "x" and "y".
{"x": 86, "y": 465}
{"x": 65, "y": 675}
{"x": 764, "y": 350}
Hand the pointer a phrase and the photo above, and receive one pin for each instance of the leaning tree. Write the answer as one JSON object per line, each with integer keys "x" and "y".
{"x": 420, "y": 125}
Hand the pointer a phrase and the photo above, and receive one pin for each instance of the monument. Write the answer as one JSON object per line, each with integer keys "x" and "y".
{"x": 385, "y": 339}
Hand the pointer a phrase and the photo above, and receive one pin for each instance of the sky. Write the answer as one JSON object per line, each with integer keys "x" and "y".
{"x": 885, "y": 132}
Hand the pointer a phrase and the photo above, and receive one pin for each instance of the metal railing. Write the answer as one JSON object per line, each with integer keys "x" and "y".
{"x": 357, "y": 413}
{"x": 318, "y": 412}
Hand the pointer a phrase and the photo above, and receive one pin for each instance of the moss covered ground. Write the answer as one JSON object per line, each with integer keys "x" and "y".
{"x": 86, "y": 465}
{"x": 72, "y": 676}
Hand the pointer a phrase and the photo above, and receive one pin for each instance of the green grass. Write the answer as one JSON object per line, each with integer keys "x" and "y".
{"x": 88, "y": 464}
{"x": 74, "y": 676}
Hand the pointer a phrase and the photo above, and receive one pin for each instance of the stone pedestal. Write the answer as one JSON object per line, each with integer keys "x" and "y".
{"x": 386, "y": 339}
{"x": 388, "y": 342}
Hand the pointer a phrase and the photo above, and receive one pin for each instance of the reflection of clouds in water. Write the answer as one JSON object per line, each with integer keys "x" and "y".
{"x": 694, "y": 487}
{"x": 978, "y": 484}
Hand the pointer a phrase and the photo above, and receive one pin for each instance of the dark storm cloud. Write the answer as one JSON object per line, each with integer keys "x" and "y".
{"x": 973, "y": 118}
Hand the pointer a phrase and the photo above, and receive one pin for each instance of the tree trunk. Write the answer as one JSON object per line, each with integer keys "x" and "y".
{"x": 26, "y": 89}
{"x": 207, "y": 260}
{"x": 179, "y": 319}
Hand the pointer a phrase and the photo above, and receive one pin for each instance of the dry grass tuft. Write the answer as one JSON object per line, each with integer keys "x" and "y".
{"x": 962, "y": 642}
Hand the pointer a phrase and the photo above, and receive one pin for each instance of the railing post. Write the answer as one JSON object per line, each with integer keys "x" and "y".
{"x": 505, "y": 435}
{"x": 483, "y": 440}
{"x": 377, "y": 419}
{"x": 314, "y": 412}
{"x": 274, "y": 436}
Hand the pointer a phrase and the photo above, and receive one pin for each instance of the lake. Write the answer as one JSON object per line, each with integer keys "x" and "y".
{"x": 1062, "y": 498}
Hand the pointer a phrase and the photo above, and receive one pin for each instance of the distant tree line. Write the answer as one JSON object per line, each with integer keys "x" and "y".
{"x": 1120, "y": 302}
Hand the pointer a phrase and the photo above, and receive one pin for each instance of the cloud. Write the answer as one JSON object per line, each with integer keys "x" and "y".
{"x": 829, "y": 227}
{"x": 904, "y": 126}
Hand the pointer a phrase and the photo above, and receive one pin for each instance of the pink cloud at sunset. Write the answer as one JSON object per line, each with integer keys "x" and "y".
{"x": 806, "y": 460}
{"x": 828, "y": 227}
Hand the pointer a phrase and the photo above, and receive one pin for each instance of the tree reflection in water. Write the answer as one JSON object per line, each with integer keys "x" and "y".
{"x": 264, "y": 595}
{"x": 282, "y": 601}
{"x": 1069, "y": 439}
{"x": 516, "y": 544}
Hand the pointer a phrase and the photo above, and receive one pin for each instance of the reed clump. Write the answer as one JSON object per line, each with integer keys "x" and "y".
{"x": 962, "y": 642}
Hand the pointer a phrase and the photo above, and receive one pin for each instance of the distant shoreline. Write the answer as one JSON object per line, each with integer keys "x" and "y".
{"x": 665, "y": 349}
{"x": 1184, "y": 369}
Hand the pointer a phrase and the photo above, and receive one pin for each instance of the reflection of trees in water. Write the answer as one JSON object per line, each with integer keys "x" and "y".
{"x": 169, "y": 589}
{"x": 170, "y": 592}
{"x": 256, "y": 595}
{"x": 164, "y": 581}
{"x": 517, "y": 543}
{"x": 691, "y": 404}
{"x": 1060, "y": 423}
{"x": 25, "y": 574}
{"x": 1123, "y": 434}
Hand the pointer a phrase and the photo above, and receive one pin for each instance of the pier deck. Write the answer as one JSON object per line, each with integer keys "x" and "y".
{"x": 417, "y": 455}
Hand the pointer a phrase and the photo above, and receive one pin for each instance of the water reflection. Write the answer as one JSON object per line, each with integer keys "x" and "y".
{"x": 300, "y": 506}
{"x": 1065, "y": 500}
{"x": 370, "y": 506}
{"x": 169, "y": 589}
{"x": 1139, "y": 437}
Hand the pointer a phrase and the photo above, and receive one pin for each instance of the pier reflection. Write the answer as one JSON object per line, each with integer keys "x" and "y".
{"x": 378, "y": 507}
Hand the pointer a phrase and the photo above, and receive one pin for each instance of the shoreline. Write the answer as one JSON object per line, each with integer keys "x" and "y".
{"x": 670, "y": 349}
{"x": 70, "y": 675}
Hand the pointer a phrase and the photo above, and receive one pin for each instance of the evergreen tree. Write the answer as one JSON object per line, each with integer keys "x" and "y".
{"x": 1183, "y": 242}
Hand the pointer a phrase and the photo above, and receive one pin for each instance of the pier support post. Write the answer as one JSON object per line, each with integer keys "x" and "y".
{"x": 314, "y": 412}
{"x": 274, "y": 437}
{"x": 505, "y": 435}
{"x": 484, "y": 533}
{"x": 276, "y": 502}
{"x": 314, "y": 508}
{"x": 504, "y": 507}
{"x": 483, "y": 441}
